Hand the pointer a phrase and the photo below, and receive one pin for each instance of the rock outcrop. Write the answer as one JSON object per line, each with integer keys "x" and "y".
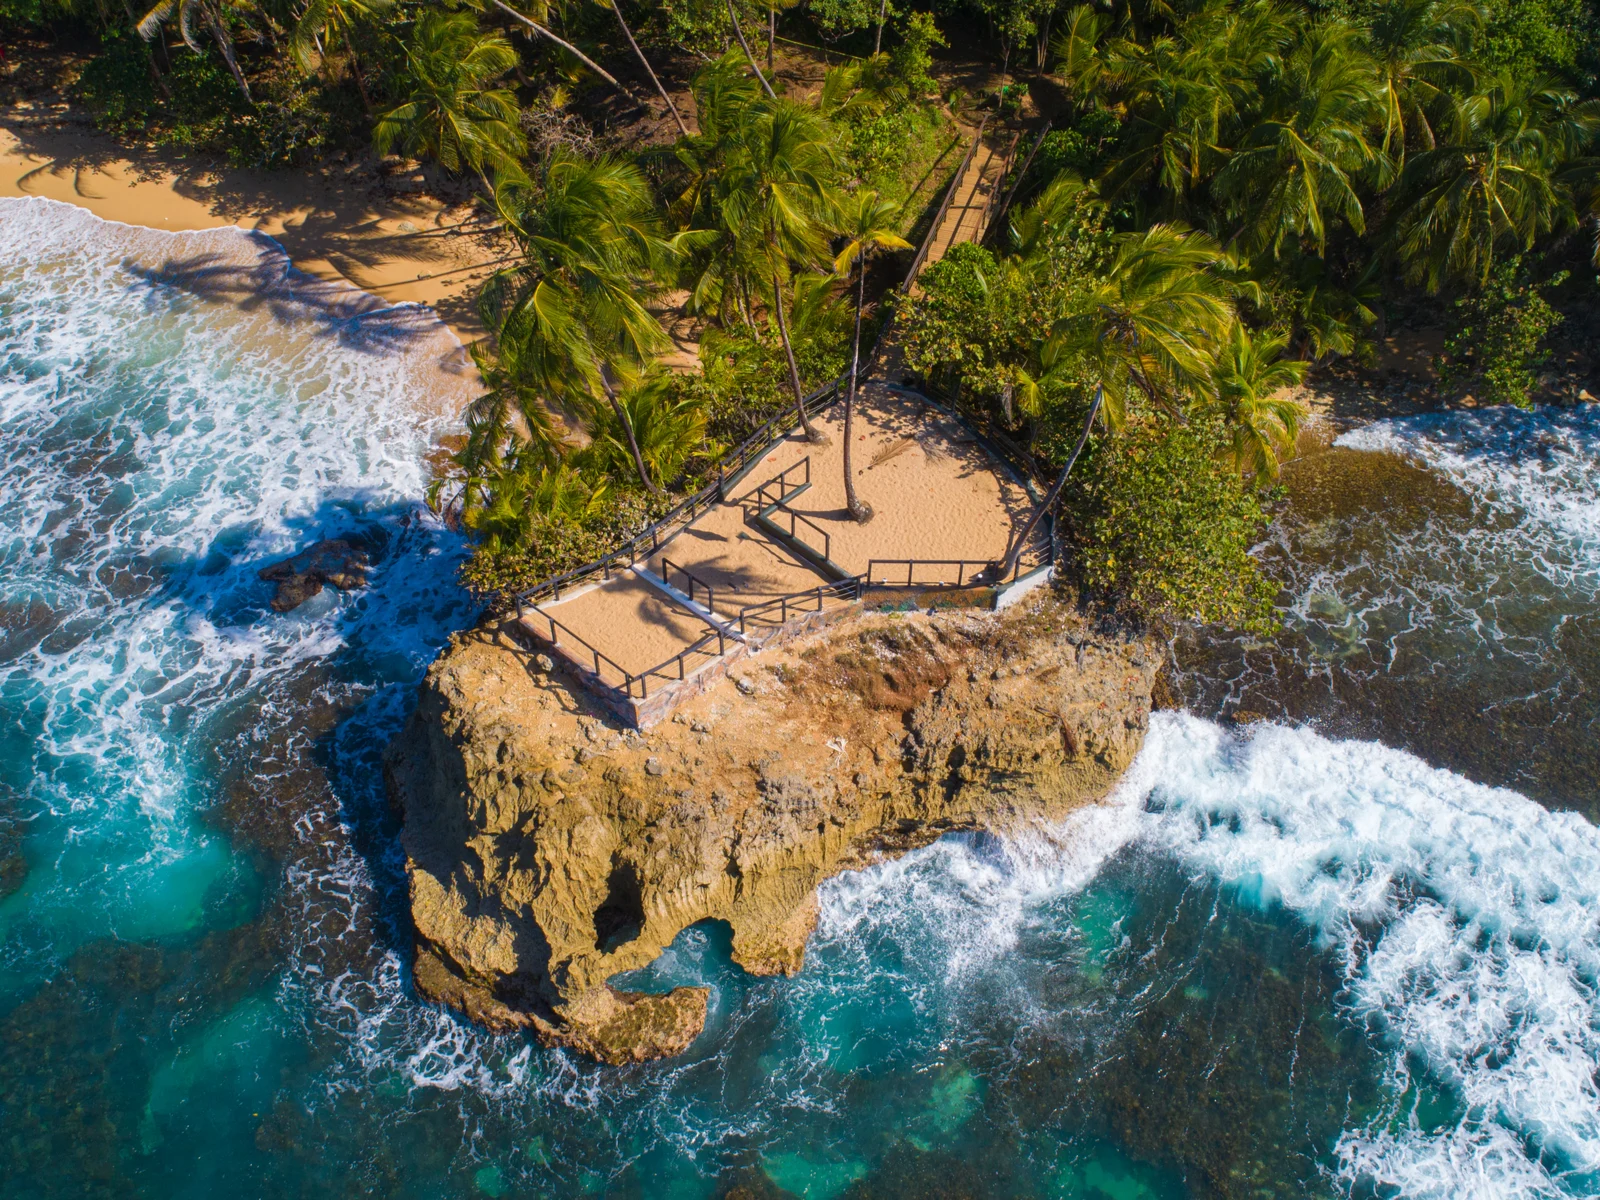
{"x": 337, "y": 564}
{"x": 549, "y": 849}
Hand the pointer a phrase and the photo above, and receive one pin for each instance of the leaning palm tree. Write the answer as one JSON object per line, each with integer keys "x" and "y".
{"x": 1147, "y": 333}
{"x": 645, "y": 63}
{"x": 749, "y": 57}
{"x": 1250, "y": 377}
{"x": 451, "y": 113}
{"x": 190, "y": 12}
{"x": 574, "y": 307}
{"x": 867, "y": 223}
{"x": 323, "y": 20}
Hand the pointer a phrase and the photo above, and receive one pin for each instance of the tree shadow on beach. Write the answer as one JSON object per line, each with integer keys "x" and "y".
{"x": 358, "y": 320}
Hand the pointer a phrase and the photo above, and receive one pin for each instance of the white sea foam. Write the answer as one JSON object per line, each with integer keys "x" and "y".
{"x": 1535, "y": 471}
{"x": 175, "y": 411}
{"x": 1466, "y": 918}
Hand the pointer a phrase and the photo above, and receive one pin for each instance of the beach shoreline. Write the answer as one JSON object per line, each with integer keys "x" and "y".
{"x": 347, "y": 222}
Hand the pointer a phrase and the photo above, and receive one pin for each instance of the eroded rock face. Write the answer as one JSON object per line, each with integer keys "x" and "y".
{"x": 548, "y": 848}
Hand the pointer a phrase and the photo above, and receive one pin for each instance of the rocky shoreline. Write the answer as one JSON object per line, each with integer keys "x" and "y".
{"x": 549, "y": 848}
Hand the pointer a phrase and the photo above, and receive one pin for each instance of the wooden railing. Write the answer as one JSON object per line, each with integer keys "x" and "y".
{"x": 810, "y": 600}
{"x": 1022, "y": 172}
{"x": 784, "y": 486}
{"x": 691, "y": 581}
{"x": 734, "y": 467}
{"x": 554, "y": 638}
{"x": 944, "y": 207}
{"x": 879, "y": 571}
{"x": 795, "y": 521}
{"x": 647, "y": 541}
{"x": 672, "y": 670}
{"x": 992, "y": 203}
{"x": 665, "y": 670}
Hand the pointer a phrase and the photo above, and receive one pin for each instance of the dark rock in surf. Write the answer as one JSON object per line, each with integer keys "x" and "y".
{"x": 337, "y": 564}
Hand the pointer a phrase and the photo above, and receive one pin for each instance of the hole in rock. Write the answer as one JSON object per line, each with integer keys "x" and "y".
{"x": 620, "y": 916}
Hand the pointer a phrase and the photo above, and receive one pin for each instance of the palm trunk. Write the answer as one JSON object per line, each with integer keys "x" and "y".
{"x": 355, "y": 69}
{"x": 149, "y": 54}
{"x": 772, "y": 30}
{"x": 883, "y": 11}
{"x": 734, "y": 17}
{"x": 225, "y": 43}
{"x": 649, "y": 70}
{"x": 859, "y": 512}
{"x": 562, "y": 42}
{"x": 633, "y": 442}
{"x": 788, "y": 350}
{"x": 1054, "y": 494}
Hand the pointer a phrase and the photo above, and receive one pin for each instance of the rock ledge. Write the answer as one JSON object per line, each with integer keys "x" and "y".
{"x": 549, "y": 849}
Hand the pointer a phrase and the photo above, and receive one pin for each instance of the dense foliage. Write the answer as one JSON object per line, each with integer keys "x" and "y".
{"x": 1159, "y": 526}
{"x": 1498, "y": 344}
{"x": 1232, "y": 190}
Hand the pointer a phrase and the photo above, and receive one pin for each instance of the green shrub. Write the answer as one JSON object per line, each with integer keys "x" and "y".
{"x": 910, "y": 60}
{"x": 1161, "y": 528}
{"x": 558, "y": 543}
{"x": 837, "y": 18}
{"x": 880, "y": 144}
{"x": 290, "y": 124}
{"x": 1500, "y": 342}
{"x": 1081, "y": 147}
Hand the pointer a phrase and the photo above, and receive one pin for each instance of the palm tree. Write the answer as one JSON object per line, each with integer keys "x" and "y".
{"x": 774, "y": 199}
{"x": 1184, "y": 91}
{"x": 322, "y": 20}
{"x": 867, "y": 223}
{"x": 526, "y": 489}
{"x": 1490, "y": 187}
{"x": 541, "y": 9}
{"x": 1079, "y": 59}
{"x": 450, "y": 113}
{"x": 723, "y": 92}
{"x": 666, "y": 425}
{"x": 1249, "y": 377}
{"x": 751, "y": 58}
{"x": 1147, "y": 332}
{"x": 205, "y": 12}
{"x": 1293, "y": 169}
{"x": 1416, "y": 46}
{"x": 574, "y": 307}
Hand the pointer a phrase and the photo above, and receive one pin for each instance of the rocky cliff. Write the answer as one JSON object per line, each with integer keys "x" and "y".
{"x": 548, "y": 848}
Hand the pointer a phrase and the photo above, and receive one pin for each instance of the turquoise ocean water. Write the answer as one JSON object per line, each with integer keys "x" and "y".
{"x": 1348, "y": 951}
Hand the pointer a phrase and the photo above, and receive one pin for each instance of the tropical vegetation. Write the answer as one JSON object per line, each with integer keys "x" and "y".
{"x": 1231, "y": 193}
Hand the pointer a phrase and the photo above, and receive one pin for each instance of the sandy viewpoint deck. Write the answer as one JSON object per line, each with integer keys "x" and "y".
{"x": 944, "y": 509}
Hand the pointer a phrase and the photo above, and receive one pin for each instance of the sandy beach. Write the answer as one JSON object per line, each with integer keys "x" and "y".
{"x": 346, "y": 222}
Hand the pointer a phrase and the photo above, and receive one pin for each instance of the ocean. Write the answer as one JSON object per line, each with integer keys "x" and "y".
{"x": 1336, "y": 933}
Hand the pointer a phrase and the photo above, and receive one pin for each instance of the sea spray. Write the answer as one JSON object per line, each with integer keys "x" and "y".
{"x": 1440, "y": 575}
{"x": 177, "y": 410}
{"x": 1465, "y": 917}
